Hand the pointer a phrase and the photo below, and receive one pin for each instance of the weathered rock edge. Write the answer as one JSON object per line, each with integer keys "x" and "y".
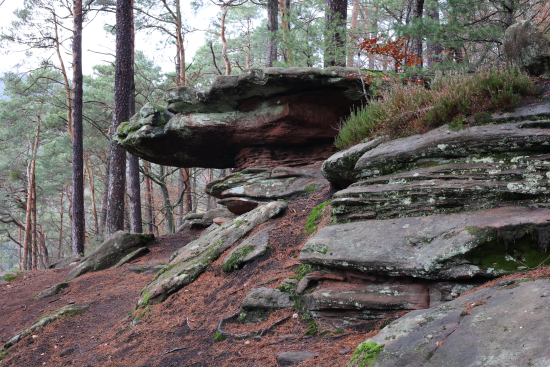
{"x": 496, "y": 325}
{"x": 248, "y": 250}
{"x": 191, "y": 260}
{"x": 111, "y": 251}
{"x": 43, "y": 321}
{"x": 268, "y": 115}
{"x": 457, "y": 246}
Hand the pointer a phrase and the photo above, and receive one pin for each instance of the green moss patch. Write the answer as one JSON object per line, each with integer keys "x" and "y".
{"x": 365, "y": 354}
{"x": 316, "y": 214}
{"x": 506, "y": 250}
{"x": 235, "y": 259}
{"x": 9, "y": 277}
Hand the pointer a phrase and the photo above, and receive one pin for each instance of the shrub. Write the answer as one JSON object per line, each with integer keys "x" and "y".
{"x": 408, "y": 109}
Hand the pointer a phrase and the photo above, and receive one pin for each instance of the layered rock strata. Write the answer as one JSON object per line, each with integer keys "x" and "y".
{"x": 260, "y": 118}
{"x": 243, "y": 191}
{"x": 422, "y": 219}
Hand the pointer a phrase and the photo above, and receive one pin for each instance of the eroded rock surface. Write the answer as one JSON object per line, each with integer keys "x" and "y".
{"x": 528, "y": 48}
{"x": 266, "y": 298}
{"x": 500, "y": 326}
{"x": 484, "y": 243}
{"x": 110, "y": 252}
{"x": 243, "y": 191}
{"x": 192, "y": 259}
{"x": 260, "y": 118}
{"x": 248, "y": 250}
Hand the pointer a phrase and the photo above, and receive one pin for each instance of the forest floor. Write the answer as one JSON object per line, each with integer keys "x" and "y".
{"x": 103, "y": 336}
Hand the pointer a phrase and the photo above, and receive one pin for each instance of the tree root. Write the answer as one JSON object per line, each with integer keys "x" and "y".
{"x": 260, "y": 332}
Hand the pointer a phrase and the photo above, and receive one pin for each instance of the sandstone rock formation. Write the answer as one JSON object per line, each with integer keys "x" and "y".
{"x": 192, "y": 259}
{"x": 110, "y": 252}
{"x": 260, "y": 118}
{"x": 528, "y": 48}
{"x": 243, "y": 191}
{"x": 499, "y": 326}
{"x": 425, "y": 218}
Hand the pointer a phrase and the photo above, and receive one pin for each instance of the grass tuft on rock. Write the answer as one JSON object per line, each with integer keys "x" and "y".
{"x": 316, "y": 213}
{"x": 408, "y": 109}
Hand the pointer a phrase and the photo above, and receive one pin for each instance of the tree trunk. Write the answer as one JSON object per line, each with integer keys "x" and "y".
{"x": 285, "y": 23}
{"x": 336, "y": 14}
{"x": 90, "y": 174}
{"x": 168, "y": 210}
{"x": 43, "y": 249}
{"x": 123, "y": 84}
{"x": 354, "y": 21}
{"x": 60, "y": 227}
{"x": 136, "y": 222}
{"x": 434, "y": 50}
{"x": 272, "y": 27}
{"x": 149, "y": 199}
{"x": 27, "y": 236}
{"x": 65, "y": 80}
{"x": 104, "y": 199}
{"x": 181, "y": 187}
{"x": 417, "y": 44}
{"x": 224, "y": 42}
{"x": 180, "y": 45}
{"x": 78, "y": 149}
{"x": 34, "y": 221}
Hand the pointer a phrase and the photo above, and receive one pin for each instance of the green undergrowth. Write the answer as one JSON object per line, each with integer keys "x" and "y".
{"x": 316, "y": 214}
{"x": 9, "y": 277}
{"x": 408, "y": 109}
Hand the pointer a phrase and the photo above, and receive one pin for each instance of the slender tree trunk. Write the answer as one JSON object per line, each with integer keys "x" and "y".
{"x": 168, "y": 210}
{"x": 149, "y": 199}
{"x": 136, "y": 222}
{"x": 123, "y": 85}
{"x": 181, "y": 205}
{"x": 354, "y": 21}
{"x": 417, "y": 44}
{"x": 65, "y": 80}
{"x": 26, "y": 240}
{"x": 272, "y": 27}
{"x": 224, "y": 42}
{"x": 90, "y": 174}
{"x": 43, "y": 248}
{"x": 287, "y": 52}
{"x": 60, "y": 227}
{"x": 434, "y": 50}
{"x": 104, "y": 199}
{"x": 180, "y": 45}
{"x": 34, "y": 220}
{"x": 336, "y": 14}
{"x": 78, "y": 228}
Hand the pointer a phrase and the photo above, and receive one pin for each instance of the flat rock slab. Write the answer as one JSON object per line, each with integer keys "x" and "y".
{"x": 293, "y": 358}
{"x": 266, "y": 298}
{"x": 501, "y": 326}
{"x": 245, "y": 190}
{"x": 248, "y": 250}
{"x": 267, "y": 116}
{"x": 455, "y": 246}
{"x": 448, "y": 186}
{"x": 191, "y": 260}
{"x": 110, "y": 252}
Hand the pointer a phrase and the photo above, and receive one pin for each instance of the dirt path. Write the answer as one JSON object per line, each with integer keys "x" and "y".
{"x": 102, "y": 335}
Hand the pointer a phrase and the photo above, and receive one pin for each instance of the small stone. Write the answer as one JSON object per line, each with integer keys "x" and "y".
{"x": 292, "y": 358}
{"x": 344, "y": 351}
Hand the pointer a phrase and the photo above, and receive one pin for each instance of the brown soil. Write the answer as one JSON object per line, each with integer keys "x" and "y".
{"x": 103, "y": 336}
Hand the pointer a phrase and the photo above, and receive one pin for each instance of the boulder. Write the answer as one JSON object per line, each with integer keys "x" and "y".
{"x": 43, "y": 321}
{"x": 268, "y": 118}
{"x": 484, "y": 243}
{"x": 53, "y": 290}
{"x": 132, "y": 256}
{"x": 209, "y": 216}
{"x": 110, "y": 252}
{"x": 248, "y": 250}
{"x": 496, "y": 326}
{"x": 528, "y": 48}
{"x": 293, "y": 358}
{"x": 266, "y": 298}
{"x": 191, "y": 260}
{"x": 243, "y": 191}
{"x": 66, "y": 261}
